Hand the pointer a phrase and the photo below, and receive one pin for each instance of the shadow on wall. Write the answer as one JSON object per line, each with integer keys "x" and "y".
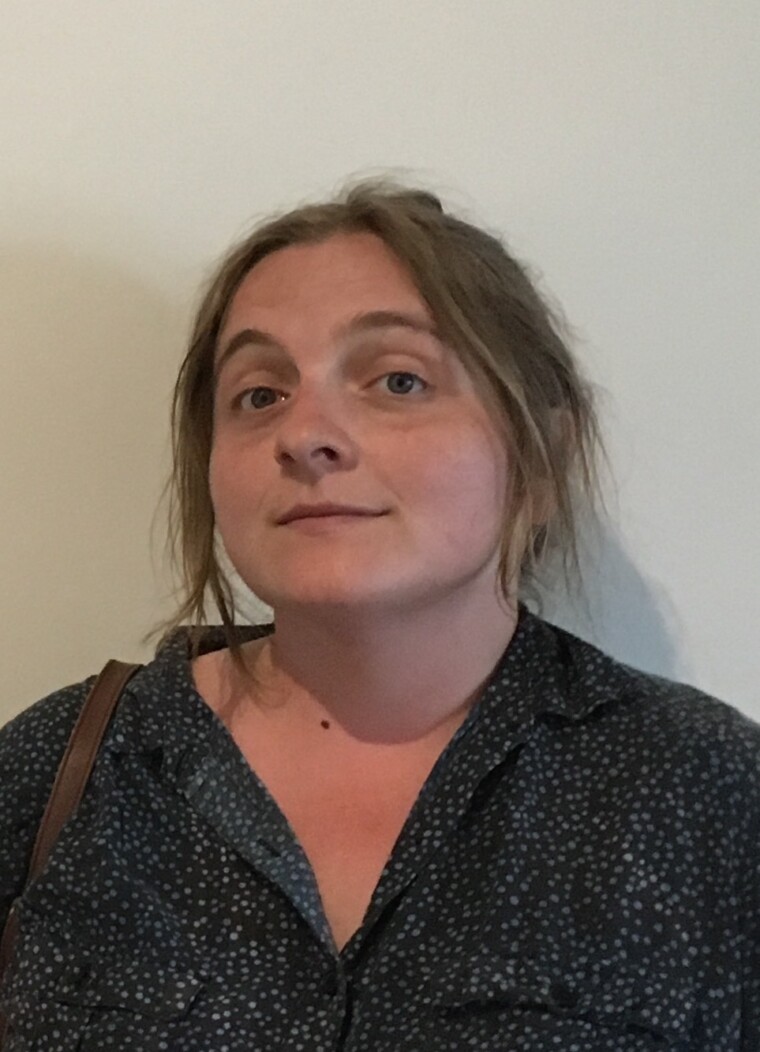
{"x": 89, "y": 355}
{"x": 618, "y": 610}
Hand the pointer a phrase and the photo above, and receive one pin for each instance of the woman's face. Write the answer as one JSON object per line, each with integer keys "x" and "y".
{"x": 333, "y": 387}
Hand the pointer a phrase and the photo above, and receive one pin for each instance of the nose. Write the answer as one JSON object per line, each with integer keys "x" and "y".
{"x": 310, "y": 438}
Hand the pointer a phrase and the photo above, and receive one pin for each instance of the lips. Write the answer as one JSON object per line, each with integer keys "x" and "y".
{"x": 310, "y": 511}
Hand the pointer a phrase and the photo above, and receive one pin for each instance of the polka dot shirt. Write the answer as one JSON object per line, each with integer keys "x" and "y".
{"x": 579, "y": 873}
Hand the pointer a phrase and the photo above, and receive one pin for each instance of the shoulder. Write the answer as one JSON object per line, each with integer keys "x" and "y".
{"x": 677, "y": 704}
{"x": 31, "y": 747}
{"x": 673, "y": 719}
{"x": 35, "y": 739}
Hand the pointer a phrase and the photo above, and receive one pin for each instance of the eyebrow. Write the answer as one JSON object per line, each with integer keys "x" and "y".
{"x": 374, "y": 319}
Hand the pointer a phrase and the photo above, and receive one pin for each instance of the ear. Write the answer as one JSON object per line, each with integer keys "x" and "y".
{"x": 563, "y": 426}
{"x": 544, "y": 502}
{"x": 562, "y": 433}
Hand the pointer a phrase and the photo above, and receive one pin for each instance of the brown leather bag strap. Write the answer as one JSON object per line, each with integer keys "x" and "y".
{"x": 76, "y": 765}
{"x": 71, "y": 780}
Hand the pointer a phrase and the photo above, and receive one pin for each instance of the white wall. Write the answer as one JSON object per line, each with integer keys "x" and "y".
{"x": 617, "y": 146}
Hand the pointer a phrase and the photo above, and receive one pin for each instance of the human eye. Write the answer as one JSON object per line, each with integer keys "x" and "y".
{"x": 402, "y": 387}
{"x": 251, "y": 399}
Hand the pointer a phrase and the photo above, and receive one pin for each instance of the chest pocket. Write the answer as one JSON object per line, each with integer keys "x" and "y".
{"x": 85, "y": 1008}
{"x": 159, "y": 992}
{"x": 655, "y": 1005}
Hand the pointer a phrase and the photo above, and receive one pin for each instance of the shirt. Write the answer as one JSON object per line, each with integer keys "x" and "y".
{"x": 578, "y": 874}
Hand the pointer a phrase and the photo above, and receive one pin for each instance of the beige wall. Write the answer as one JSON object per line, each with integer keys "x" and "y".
{"x": 617, "y": 145}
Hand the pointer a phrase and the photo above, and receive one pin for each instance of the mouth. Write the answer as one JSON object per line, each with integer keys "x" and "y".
{"x": 325, "y": 521}
{"x": 302, "y": 513}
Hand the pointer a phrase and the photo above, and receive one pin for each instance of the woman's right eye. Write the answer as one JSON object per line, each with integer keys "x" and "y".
{"x": 255, "y": 398}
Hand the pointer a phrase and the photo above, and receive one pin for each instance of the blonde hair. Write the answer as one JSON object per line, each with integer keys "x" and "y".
{"x": 487, "y": 309}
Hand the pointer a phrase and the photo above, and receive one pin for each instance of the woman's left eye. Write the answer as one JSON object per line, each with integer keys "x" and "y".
{"x": 402, "y": 387}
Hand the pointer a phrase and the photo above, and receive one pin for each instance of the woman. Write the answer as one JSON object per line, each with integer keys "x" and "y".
{"x": 409, "y": 814}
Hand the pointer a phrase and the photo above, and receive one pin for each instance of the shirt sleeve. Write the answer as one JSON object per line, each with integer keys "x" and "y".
{"x": 31, "y": 747}
{"x": 750, "y": 909}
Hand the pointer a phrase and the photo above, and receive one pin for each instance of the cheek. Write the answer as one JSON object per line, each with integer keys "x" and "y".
{"x": 232, "y": 488}
{"x": 465, "y": 481}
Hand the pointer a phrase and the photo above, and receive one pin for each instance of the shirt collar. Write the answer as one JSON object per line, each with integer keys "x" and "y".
{"x": 544, "y": 671}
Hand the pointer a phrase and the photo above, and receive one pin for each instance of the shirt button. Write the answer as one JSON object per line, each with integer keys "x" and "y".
{"x": 330, "y": 985}
{"x": 563, "y": 996}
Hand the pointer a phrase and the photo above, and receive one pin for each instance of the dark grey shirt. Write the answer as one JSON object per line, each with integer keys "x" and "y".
{"x": 580, "y": 873}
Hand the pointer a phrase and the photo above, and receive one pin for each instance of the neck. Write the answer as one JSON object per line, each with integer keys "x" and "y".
{"x": 382, "y": 677}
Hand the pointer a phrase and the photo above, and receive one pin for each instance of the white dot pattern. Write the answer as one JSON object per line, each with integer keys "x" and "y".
{"x": 580, "y": 873}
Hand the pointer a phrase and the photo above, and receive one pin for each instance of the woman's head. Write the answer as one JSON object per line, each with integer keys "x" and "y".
{"x": 511, "y": 397}
{"x": 334, "y": 388}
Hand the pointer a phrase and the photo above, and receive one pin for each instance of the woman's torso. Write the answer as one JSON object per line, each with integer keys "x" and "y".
{"x": 576, "y": 871}
{"x": 345, "y": 800}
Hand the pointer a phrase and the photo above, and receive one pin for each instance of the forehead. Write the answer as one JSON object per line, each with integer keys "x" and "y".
{"x": 345, "y": 272}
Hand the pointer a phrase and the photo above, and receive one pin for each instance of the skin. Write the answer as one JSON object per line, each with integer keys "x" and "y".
{"x": 386, "y": 626}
